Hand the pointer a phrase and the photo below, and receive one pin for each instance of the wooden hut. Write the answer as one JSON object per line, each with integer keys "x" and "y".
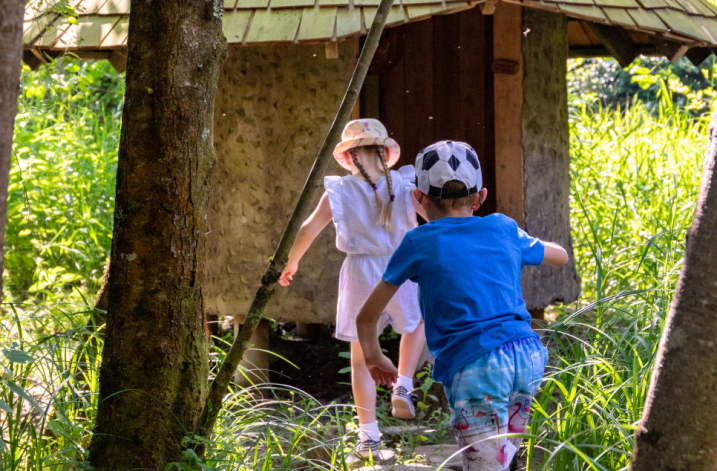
{"x": 492, "y": 73}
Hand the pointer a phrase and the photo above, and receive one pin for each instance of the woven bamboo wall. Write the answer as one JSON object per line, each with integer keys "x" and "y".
{"x": 273, "y": 108}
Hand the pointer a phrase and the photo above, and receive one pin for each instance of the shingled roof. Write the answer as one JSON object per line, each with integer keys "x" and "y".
{"x": 102, "y": 24}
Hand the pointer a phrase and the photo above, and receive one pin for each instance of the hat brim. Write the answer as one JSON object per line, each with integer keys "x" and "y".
{"x": 342, "y": 156}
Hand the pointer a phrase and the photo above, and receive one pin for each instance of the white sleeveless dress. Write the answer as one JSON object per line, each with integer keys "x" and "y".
{"x": 369, "y": 247}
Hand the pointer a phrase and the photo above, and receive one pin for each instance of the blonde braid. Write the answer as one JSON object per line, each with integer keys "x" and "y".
{"x": 379, "y": 203}
{"x": 385, "y": 220}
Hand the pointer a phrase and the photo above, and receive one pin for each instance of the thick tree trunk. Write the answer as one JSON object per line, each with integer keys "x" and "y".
{"x": 153, "y": 380}
{"x": 11, "y": 12}
{"x": 679, "y": 430}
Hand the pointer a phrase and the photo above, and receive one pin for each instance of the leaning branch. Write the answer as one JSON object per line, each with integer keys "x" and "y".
{"x": 256, "y": 312}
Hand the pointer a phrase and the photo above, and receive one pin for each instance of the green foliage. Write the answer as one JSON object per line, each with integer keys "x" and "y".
{"x": 61, "y": 194}
{"x": 635, "y": 177}
{"x": 635, "y": 173}
{"x": 611, "y": 85}
{"x": 48, "y": 388}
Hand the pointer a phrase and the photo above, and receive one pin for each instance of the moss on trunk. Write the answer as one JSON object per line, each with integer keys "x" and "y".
{"x": 153, "y": 379}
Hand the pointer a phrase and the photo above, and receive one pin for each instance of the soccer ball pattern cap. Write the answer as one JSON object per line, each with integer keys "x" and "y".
{"x": 445, "y": 161}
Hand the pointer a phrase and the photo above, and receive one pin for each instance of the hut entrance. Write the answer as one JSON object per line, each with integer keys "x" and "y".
{"x": 429, "y": 82}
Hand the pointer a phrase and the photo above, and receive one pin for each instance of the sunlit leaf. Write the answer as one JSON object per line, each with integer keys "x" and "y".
{"x": 12, "y": 386}
{"x": 17, "y": 356}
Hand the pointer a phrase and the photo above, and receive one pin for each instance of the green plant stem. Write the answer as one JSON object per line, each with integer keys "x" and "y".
{"x": 278, "y": 261}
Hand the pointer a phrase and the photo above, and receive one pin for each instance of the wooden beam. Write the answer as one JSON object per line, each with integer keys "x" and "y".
{"x": 697, "y": 55}
{"x": 32, "y": 58}
{"x": 488, "y": 8}
{"x": 603, "y": 52}
{"x": 673, "y": 50}
{"x": 118, "y": 59}
{"x": 679, "y": 54}
{"x": 94, "y": 55}
{"x": 508, "y": 96}
{"x": 332, "y": 50}
{"x": 618, "y": 46}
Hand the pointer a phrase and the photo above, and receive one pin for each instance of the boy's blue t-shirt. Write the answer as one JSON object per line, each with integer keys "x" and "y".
{"x": 468, "y": 273}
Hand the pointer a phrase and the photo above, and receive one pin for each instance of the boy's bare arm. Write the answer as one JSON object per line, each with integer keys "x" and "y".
{"x": 381, "y": 368}
{"x": 555, "y": 255}
{"x": 311, "y": 228}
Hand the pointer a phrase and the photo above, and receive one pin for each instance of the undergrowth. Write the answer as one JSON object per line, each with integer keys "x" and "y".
{"x": 62, "y": 181}
{"x": 635, "y": 176}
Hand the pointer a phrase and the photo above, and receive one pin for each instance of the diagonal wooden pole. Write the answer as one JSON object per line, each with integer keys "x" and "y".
{"x": 256, "y": 312}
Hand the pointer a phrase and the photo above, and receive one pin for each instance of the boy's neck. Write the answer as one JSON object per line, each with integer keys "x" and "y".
{"x": 454, "y": 213}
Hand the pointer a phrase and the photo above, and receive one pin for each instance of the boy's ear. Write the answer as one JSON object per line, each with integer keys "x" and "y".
{"x": 483, "y": 195}
{"x": 418, "y": 194}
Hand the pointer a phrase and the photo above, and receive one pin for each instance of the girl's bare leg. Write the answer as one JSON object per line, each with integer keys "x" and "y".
{"x": 365, "y": 396}
{"x": 410, "y": 351}
{"x": 363, "y": 385}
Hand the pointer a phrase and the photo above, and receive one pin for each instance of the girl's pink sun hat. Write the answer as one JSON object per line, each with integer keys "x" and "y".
{"x": 365, "y": 132}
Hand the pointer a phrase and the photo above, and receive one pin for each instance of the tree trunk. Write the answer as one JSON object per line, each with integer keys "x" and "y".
{"x": 153, "y": 379}
{"x": 10, "y": 66}
{"x": 679, "y": 430}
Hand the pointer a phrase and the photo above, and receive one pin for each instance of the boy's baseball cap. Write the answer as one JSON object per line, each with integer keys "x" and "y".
{"x": 445, "y": 161}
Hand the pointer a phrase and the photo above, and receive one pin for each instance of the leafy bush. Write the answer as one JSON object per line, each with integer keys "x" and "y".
{"x": 635, "y": 176}
{"x": 61, "y": 194}
{"x": 611, "y": 85}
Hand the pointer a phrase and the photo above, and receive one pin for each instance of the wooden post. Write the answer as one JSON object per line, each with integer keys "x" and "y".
{"x": 508, "y": 96}
{"x": 546, "y": 153}
{"x": 306, "y": 330}
{"x": 254, "y": 367}
{"x": 538, "y": 318}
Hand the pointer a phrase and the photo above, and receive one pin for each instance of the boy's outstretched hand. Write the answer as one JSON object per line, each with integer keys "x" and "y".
{"x": 382, "y": 370}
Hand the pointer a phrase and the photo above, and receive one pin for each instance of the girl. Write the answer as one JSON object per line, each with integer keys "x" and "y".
{"x": 372, "y": 210}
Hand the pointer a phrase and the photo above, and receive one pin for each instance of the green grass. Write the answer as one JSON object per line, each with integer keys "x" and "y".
{"x": 48, "y": 390}
{"x": 635, "y": 175}
{"x": 635, "y": 182}
{"x": 62, "y": 181}
{"x": 48, "y": 402}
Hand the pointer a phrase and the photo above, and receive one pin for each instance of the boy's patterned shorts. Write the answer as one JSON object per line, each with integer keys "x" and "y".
{"x": 492, "y": 396}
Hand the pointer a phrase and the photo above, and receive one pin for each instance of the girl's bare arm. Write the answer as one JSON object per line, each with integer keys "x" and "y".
{"x": 311, "y": 228}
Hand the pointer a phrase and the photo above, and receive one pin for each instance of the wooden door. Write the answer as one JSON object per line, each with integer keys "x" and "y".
{"x": 432, "y": 80}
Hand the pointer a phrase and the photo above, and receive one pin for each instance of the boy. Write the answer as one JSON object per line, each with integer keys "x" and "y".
{"x": 477, "y": 326}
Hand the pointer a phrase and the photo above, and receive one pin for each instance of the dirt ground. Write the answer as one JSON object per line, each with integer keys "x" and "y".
{"x": 318, "y": 360}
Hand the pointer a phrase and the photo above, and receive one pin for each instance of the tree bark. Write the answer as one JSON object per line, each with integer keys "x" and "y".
{"x": 679, "y": 430}
{"x": 266, "y": 290}
{"x": 153, "y": 379}
{"x": 10, "y": 66}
